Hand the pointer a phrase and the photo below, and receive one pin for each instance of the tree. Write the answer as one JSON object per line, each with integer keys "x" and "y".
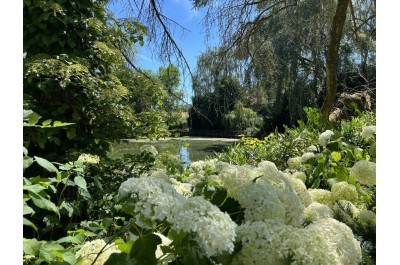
{"x": 332, "y": 57}
{"x": 75, "y": 71}
{"x": 284, "y": 45}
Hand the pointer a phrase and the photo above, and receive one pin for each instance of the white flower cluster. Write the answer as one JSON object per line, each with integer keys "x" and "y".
{"x": 340, "y": 238}
{"x": 271, "y": 242}
{"x": 185, "y": 189}
{"x": 300, "y": 188}
{"x": 321, "y": 196}
{"x": 325, "y": 137}
{"x": 271, "y": 197}
{"x": 316, "y": 211}
{"x": 234, "y": 177}
{"x": 344, "y": 191}
{"x": 364, "y": 172}
{"x": 149, "y": 148}
{"x": 307, "y": 156}
{"x": 294, "y": 162}
{"x": 155, "y": 198}
{"x": 89, "y": 159}
{"x": 312, "y": 148}
{"x": 300, "y": 175}
{"x": 368, "y": 132}
{"x": 215, "y": 231}
{"x": 367, "y": 218}
{"x": 90, "y": 250}
{"x": 203, "y": 166}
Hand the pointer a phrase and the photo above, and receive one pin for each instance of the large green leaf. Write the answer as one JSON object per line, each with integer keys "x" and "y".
{"x": 32, "y": 246}
{"x": 34, "y": 188}
{"x": 80, "y": 182}
{"x": 336, "y": 156}
{"x": 120, "y": 259}
{"x": 27, "y": 162}
{"x": 27, "y": 210}
{"x": 144, "y": 249}
{"x": 45, "y": 164}
{"x": 43, "y": 203}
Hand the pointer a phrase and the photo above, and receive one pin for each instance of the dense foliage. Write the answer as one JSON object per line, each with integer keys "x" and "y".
{"x": 75, "y": 71}
{"x": 152, "y": 210}
{"x": 303, "y": 196}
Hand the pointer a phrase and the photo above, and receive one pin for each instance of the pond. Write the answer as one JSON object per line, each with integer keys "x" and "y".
{"x": 189, "y": 149}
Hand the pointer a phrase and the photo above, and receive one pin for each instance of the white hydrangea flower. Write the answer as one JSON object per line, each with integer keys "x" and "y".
{"x": 368, "y": 132}
{"x": 195, "y": 178}
{"x": 301, "y": 189}
{"x": 344, "y": 191}
{"x": 364, "y": 172}
{"x": 234, "y": 177}
{"x": 268, "y": 168}
{"x": 89, "y": 159}
{"x": 272, "y": 197}
{"x": 316, "y": 211}
{"x": 204, "y": 165}
{"x": 321, "y": 196}
{"x": 149, "y": 148}
{"x": 272, "y": 242}
{"x": 340, "y": 237}
{"x": 186, "y": 189}
{"x": 215, "y": 231}
{"x": 159, "y": 174}
{"x": 155, "y": 198}
{"x": 90, "y": 250}
{"x": 294, "y": 162}
{"x": 300, "y": 175}
{"x": 367, "y": 218}
{"x": 307, "y": 156}
{"x": 325, "y": 137}
{"x": 312, "y": 148}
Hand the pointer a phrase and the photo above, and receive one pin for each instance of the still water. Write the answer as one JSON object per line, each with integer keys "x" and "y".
{"x": 189, "y": 149}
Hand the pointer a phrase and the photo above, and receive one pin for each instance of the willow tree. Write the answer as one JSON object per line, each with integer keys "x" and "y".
{"x": 250, "y": 28}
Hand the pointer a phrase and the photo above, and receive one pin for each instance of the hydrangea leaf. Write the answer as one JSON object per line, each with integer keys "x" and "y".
{"x": 45, "y": 164}
{"x": 120, "y": 259}
{"x": 144, "y": 249}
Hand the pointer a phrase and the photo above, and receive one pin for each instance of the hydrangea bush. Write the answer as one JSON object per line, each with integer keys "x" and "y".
{"x": 318, "y": 207}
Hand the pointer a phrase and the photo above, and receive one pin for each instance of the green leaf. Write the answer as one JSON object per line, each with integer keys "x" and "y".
{"x": 315, "y": 184}
{"x": 34, "y": 118}
{"x": 27, "y": 210}
{"x": 336, "y": 156}
{"x": 25, "y": 151}
{"x": 124, "y": 246}
{"x": 120, "y": 259}
{"x": 32, "y": 246}
{"x": 46, "y": 122}
{"x": 34, "y": 188}
{"x": 193, "y": 256}
{"x": 43, "y": 203}
{"x": 160, "y": 102}
{"x": 80, "y": 182}
{"x": 144, "y": 249}
{"x": 67, "y": 208}
{"x": 69, "y": 257}
{"x": 27, "y": 162}
{"x": 342, "y": 173}
{"x": 45, "y": 164}
{"x": 29, "y": 223}
{"x": 107, "y": 222}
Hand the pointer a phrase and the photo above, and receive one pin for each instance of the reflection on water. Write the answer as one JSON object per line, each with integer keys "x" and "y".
{"x": 188, "y": 149}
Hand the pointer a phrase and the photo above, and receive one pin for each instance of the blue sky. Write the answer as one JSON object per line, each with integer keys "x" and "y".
{"x": 192, "y": 44}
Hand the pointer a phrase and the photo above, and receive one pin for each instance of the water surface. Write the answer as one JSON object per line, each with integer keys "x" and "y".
{"x": 189, "y": 149}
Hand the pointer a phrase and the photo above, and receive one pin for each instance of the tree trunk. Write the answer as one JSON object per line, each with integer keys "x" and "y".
{"x": 332, "y": 57}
